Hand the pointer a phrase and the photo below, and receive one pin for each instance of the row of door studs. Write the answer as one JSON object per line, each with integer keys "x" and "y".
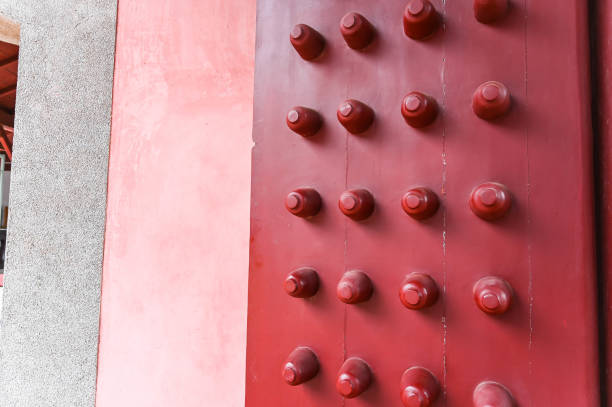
{"x": 421, "y": 20}
{"x": 489, "y": 201}
{"x": 418, "y": 386}
{"x": 490, "y": 101}
{"x": 493, "y": 295}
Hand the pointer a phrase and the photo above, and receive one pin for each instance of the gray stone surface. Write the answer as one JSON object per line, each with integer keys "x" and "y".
{"x": 50, "y": 320}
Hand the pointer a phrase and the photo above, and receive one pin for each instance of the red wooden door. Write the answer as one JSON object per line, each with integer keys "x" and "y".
{"x": 509, "y": 251}
{"x": 602, "y": 108}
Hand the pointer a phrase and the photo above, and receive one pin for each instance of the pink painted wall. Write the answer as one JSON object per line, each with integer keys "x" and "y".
{"x": 174, "y": 292}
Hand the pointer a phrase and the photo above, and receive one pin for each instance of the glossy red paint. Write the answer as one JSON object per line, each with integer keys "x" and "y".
{"x": 490, "y": 200}
{"x": 174, "y": 284}
{"x": 491, "y": 100}
{"x": 355, "y": 116}
{"x": 493, "y": 295}
{"x": 303, "y": 202}
{"x": 302, "y": 283}
{"x": 304, "y": 121}
{"x": 542, "y": 247}
{"x": 354, "y": 378}
{"x": 421, "y": 19}
{"x": 489, "y": 11}
{"x": 354, "y": 287}
{"x": 301, "y": 366}
{"x": 418, "y": 291}
{"x": 488, "y": 394}
{"x": 420, "y": 203}
{"x": 357, "y": 31}
{"x": 357, "y": 204}
{"x": 419, "y": 388}
{"x": 419, "y": 110}
{"x": 307, "y": 41}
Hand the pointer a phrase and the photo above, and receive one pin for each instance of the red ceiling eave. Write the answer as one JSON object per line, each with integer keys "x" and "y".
{"x": 6, "y": 142}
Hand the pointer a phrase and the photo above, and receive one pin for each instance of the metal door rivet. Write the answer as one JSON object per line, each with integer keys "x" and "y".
{"x": 490, "y": 200}
{"x": 418, "y": 291}
{"x": 419, "y": 110}
{"x": 307, "y": 41}
{"x": 304, "y": 121}
{"x": 303, "y": 202}
{"x": 420, "y": 203}
{"x": 491, "y": 100}
{"x": 419, "y": 387}
{"x": 357, "y": 31}
{"x": 301, "y": 366}
{"x": 355, "y": 116}
{"x": 354, "y": 378}
{"x": 354, "y": 287}
{"x": 357, "y": 204}
{"x": 493, "y": 295}
{"x": 489, "y": 394}
{"x": 489, "y": 11}
{"x": 420, "y": 19}
{"x": 302, "y": 283}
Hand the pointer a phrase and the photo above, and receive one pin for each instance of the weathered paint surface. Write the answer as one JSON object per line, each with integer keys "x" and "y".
{"x": 173, "y": 322}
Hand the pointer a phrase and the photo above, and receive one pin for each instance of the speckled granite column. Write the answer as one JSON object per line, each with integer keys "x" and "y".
{"x": 50, "y": 319}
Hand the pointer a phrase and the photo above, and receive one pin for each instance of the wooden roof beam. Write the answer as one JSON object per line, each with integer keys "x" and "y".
{"x": 9, "y": 90}
{"x": 8, "y": 61}
{"x": 7, "y": 118}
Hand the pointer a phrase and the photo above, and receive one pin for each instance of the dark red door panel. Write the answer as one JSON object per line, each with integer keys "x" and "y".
{"x": 421, "y": 206}
{"x": 602, "y": 13}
